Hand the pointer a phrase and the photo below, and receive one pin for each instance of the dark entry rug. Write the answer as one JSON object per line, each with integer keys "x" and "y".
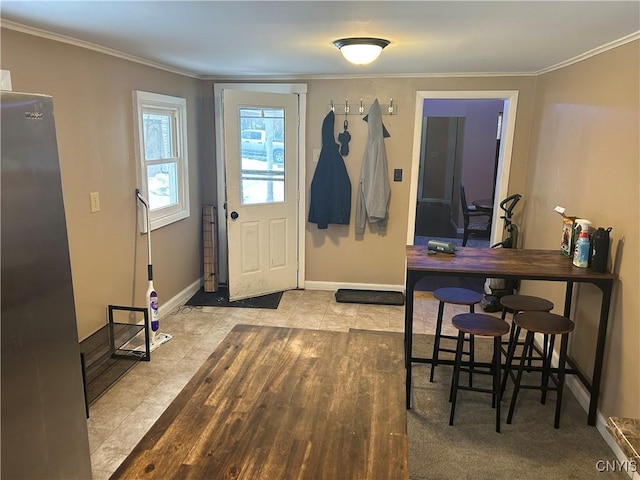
{"x": 221, "y": 299}
{"x": 375, "y": 297}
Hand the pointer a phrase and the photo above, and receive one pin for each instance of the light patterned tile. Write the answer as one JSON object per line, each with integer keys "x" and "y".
{"x": 337, "y": 323}
{"x": 274, "y": 318}
{"x": 165, "y": 393}
{"x": 345, "y": 309}
{"x": 100, "y": 474}
{"x": 97, "y": 436}
{"x": 304, "y": 309}
{"x": 372, "y": 316}
{"x": 108, "y": 458}
{"x": 311, "y": 321}
{"x": 368, "y": 322}
{"x": 396, "y": 324}
{"x": 364, "y": 309}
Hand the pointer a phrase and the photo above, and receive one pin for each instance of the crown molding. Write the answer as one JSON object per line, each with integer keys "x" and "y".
{"x": 92, "y": 46}
{"x": 591, "y": 53}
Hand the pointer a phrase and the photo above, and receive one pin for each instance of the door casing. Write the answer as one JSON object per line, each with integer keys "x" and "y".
{"x": 297, "y": 88}
{"x": 510, "y": 98}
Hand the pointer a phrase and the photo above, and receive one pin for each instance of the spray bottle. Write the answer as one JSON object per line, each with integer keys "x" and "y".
{"x": 582, "y": 249}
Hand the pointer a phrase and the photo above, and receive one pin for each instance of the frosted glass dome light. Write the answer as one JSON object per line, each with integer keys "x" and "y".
{"x": 360, "y": 50}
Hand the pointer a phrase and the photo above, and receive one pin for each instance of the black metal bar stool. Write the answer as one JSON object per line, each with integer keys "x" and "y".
{"x": 517, "y": 304}
{"x": 456, "y": 296}
{"x": 485, "y": 326}
{"x": 548, "y": 324}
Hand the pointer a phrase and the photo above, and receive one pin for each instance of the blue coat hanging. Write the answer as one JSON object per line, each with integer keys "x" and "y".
{"x": 330, "y": 187}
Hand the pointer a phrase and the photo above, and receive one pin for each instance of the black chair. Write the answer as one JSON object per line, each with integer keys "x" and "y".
{"x": 470, "y": 212}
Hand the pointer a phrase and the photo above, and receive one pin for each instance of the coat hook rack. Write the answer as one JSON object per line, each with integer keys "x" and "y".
{"x": 363, "y": 109}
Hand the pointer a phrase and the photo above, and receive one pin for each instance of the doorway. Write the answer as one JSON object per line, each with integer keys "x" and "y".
{"x": 495, "y": 173}
{"x": 253, "y": 158}
{"x": 500, "y": 169}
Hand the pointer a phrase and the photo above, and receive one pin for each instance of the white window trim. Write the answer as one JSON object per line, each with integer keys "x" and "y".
{"x": 173, "y": 213}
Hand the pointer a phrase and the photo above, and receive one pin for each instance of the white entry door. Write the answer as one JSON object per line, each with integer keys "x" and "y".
{"x": 261, "y": 176}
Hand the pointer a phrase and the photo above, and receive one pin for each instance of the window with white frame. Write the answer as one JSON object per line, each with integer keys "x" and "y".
{"x": 162, "y": 150}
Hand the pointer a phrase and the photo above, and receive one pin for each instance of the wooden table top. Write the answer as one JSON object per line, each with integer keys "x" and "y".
{"x": 283, "y": 403}
{"x": 502, "y": 263}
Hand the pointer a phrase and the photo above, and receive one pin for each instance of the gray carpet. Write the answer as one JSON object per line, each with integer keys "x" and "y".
{"x": 528, "y": 449}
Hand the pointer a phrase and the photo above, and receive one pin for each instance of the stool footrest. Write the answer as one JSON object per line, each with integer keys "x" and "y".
{"x": 475, "y": 389}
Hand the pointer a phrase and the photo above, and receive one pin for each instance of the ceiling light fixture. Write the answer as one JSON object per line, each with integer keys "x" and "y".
{"x": 361, "y": 50}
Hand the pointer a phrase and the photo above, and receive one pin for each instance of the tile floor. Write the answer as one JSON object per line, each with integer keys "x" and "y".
{"x": 121, "y": 417}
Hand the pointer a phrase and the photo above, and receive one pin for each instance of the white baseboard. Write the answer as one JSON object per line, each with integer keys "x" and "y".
{"x": 582, "y": 396}
{"x": 168, "y": 306}
{"x": 333, "y": 286}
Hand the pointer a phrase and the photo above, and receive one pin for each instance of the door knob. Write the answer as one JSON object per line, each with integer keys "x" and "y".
{"x": 234, "y": 215}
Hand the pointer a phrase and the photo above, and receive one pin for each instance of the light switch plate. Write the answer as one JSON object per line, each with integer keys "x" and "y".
{"x": 95, "y": 202}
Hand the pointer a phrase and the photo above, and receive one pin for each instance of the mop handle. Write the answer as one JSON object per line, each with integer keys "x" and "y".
{"x": 146, "y": 206}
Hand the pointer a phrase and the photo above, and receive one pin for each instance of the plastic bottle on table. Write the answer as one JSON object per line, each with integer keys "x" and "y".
{"x": 581, "y": 252}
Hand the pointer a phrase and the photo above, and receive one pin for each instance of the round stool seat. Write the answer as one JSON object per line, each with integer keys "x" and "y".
{"x": 522, "y": 303}
{"x": 458, "y": 296}
{"x": 544, "y": 322}
{"x": 480, "y": 324}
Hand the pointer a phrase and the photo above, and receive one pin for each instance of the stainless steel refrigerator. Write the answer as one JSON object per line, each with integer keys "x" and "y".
{"x": 43, "y": 423}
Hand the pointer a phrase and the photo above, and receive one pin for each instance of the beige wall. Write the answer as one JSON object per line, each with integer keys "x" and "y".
{"x": 584, "y": 157}
{"x": 336, "y": 254}
{"x": 92, "y": 97}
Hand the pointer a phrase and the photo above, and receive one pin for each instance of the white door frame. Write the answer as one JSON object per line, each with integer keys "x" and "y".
{"x": 510, "y": 98}
{"x": 297, "y": 88}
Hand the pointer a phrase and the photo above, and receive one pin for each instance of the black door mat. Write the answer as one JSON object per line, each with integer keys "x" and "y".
{"x": 374, "y": 297}
{"x": 221, "y": 299}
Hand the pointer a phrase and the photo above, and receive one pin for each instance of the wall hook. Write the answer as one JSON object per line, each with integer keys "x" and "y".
{"x": 391, "y": 107}
{"x": 361, "y": 109}
{"x": 332, "y": 107}
{"x": 346, "y": 106}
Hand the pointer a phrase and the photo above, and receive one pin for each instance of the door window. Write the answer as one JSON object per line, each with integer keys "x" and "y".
{"x": 262, "y": 168}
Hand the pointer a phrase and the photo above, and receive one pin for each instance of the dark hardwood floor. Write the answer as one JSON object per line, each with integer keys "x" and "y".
{"x": 284, "y": 403}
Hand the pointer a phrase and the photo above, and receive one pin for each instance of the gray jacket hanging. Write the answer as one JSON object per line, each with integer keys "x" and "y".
{"x": 374, "y": 190}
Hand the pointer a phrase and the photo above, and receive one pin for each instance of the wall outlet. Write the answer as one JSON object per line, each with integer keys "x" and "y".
{"x": 95, "y": 202}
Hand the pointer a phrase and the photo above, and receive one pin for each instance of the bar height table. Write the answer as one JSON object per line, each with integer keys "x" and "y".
{"x": 507, "y": 263}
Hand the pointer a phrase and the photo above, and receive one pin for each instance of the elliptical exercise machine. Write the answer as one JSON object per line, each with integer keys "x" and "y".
{"x": 498, "y": 287}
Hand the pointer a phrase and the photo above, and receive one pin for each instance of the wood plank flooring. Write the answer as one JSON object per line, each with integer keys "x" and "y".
{"x": 284, "y": 403}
